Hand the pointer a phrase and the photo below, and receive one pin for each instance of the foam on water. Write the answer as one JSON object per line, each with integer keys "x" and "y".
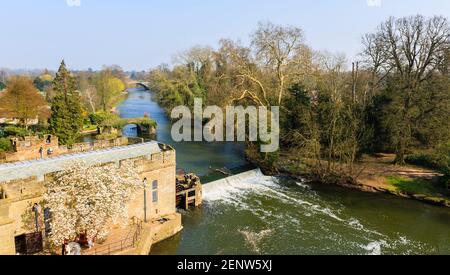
{"x": 254, "y": 239}
{"x": 226, "y": 189}
{"x": 374, "y": 248}
{"x": 230, "y": 190}
{"x": 295, "y": 207}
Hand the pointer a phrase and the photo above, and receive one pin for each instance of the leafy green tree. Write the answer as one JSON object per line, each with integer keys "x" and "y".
{"x": 2, "y": 86}
{"x": 41, "y": 84}
{"x": 109, "y": 89}
{"x": 16, "y": 132}
{"x": 66, "y": 121}
{"x": 296, "y": 109}
{"x": 99, "y": 117}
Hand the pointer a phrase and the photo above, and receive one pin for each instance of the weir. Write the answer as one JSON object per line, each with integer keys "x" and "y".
{"x": 210, "y": 189}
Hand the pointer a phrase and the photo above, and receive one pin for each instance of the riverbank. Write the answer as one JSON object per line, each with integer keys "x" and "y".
{"x": 379, "y": 175}
{"x": 253, "y": 214}
{"x": 257, "y": 215}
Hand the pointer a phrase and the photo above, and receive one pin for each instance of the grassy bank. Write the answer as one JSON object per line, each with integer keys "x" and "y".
{"x": 377, "y": 174}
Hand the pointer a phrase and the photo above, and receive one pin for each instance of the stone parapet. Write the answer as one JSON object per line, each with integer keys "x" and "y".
{"x": 40, "y": 168}
{"x": 155, "y": 232}
{"x": 34, "y": 148}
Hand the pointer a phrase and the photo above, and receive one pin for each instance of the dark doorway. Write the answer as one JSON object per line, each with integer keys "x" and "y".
{"x": 21, "y": 245}
{"x": 29, "y": 244}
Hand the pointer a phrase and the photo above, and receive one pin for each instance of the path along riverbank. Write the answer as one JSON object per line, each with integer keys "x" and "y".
{"x": 379, "y": 175}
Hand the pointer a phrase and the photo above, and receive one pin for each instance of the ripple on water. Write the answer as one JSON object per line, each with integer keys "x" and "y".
{"x": 300, "y": 215}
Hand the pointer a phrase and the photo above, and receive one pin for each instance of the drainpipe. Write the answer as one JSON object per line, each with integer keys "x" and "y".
{"x": 145, "y": 199}
{"x": 36, "y": 216}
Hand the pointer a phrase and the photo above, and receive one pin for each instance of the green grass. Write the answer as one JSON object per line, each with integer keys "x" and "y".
{"x": 89, "y": 127}
{"x": 416, "y": 186}
{"x": 107, "y": 136}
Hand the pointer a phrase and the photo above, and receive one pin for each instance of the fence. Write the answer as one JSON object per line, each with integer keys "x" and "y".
{"x": 129, "y": 242}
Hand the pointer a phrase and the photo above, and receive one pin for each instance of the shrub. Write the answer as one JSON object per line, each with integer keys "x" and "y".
{"x": 438, "y": 160}
{"x": 15, "y": 131}
{"x": 5, "y": 145}
{"x": 100, "y": 117}
{"x": 107, "y": 136}
{"x": 145, "y": 121}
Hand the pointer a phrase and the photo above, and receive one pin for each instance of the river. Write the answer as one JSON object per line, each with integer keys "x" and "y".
{"x": 256, "y": 214}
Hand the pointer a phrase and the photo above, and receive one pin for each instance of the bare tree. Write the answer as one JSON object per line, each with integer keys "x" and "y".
{"x": 281, "y": 50}
{"x": 277, "y": 57}
{"x": 413, "y": 47}
{"x": 196, "y": 57}
{"x": 409, "y": 50}
{"x": 90, "y": 96}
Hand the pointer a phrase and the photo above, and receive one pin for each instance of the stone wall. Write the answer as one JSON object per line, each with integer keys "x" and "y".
{"x": 155, "y": 232}
{"x": 92, "y": 146}
{"x": 22, "y": 195}
{"x": 29, "y": 148}
{"x": 162, "y": 169}
{"x": 7, "y": 245}
{"x": 19, "y": 195}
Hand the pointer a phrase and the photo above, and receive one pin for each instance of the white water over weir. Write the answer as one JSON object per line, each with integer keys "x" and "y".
{"x": 295, "y": 211}
{"x": 220, "y": 189}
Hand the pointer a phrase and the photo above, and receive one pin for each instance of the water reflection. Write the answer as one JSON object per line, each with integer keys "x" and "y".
{"x": 198, "y": 157}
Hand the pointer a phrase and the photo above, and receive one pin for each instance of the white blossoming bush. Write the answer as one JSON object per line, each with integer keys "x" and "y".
{"x": 88, "y": 200}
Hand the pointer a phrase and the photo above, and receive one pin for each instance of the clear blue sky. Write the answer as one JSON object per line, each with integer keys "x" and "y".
{"x": 139, "y": 34}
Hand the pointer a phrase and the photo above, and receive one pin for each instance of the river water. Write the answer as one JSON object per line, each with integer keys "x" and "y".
{"x": 256, "y": 214}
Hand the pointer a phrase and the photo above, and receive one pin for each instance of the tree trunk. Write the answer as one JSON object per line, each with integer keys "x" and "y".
{"x": 25, "y": 122}
{"x": 401, "y": 153}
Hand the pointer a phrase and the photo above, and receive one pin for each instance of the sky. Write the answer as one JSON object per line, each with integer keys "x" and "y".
{"x": 141, "y": 34}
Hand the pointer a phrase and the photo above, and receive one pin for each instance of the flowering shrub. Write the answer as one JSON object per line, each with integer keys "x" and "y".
{"x": 85, "y": 199}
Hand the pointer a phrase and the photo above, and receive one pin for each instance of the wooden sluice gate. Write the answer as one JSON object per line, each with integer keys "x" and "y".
{"x": 189, "y": 191}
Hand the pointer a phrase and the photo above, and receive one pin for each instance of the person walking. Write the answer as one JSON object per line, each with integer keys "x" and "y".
{"x": 41, "y": 152}
{"x": 64, "y": 248}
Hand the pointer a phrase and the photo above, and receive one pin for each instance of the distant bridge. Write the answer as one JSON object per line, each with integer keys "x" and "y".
{"x": 141, "y": 84}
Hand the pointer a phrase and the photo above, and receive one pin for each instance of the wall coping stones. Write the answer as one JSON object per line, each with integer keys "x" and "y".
{"x": 39, "y": 168}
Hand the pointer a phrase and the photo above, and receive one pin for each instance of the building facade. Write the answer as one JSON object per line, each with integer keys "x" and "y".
{"x": 22, "y": 185}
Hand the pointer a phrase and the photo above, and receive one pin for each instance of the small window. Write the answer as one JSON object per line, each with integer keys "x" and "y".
{"x": 155, "y": 196}
{"x": 155, "y": 185}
